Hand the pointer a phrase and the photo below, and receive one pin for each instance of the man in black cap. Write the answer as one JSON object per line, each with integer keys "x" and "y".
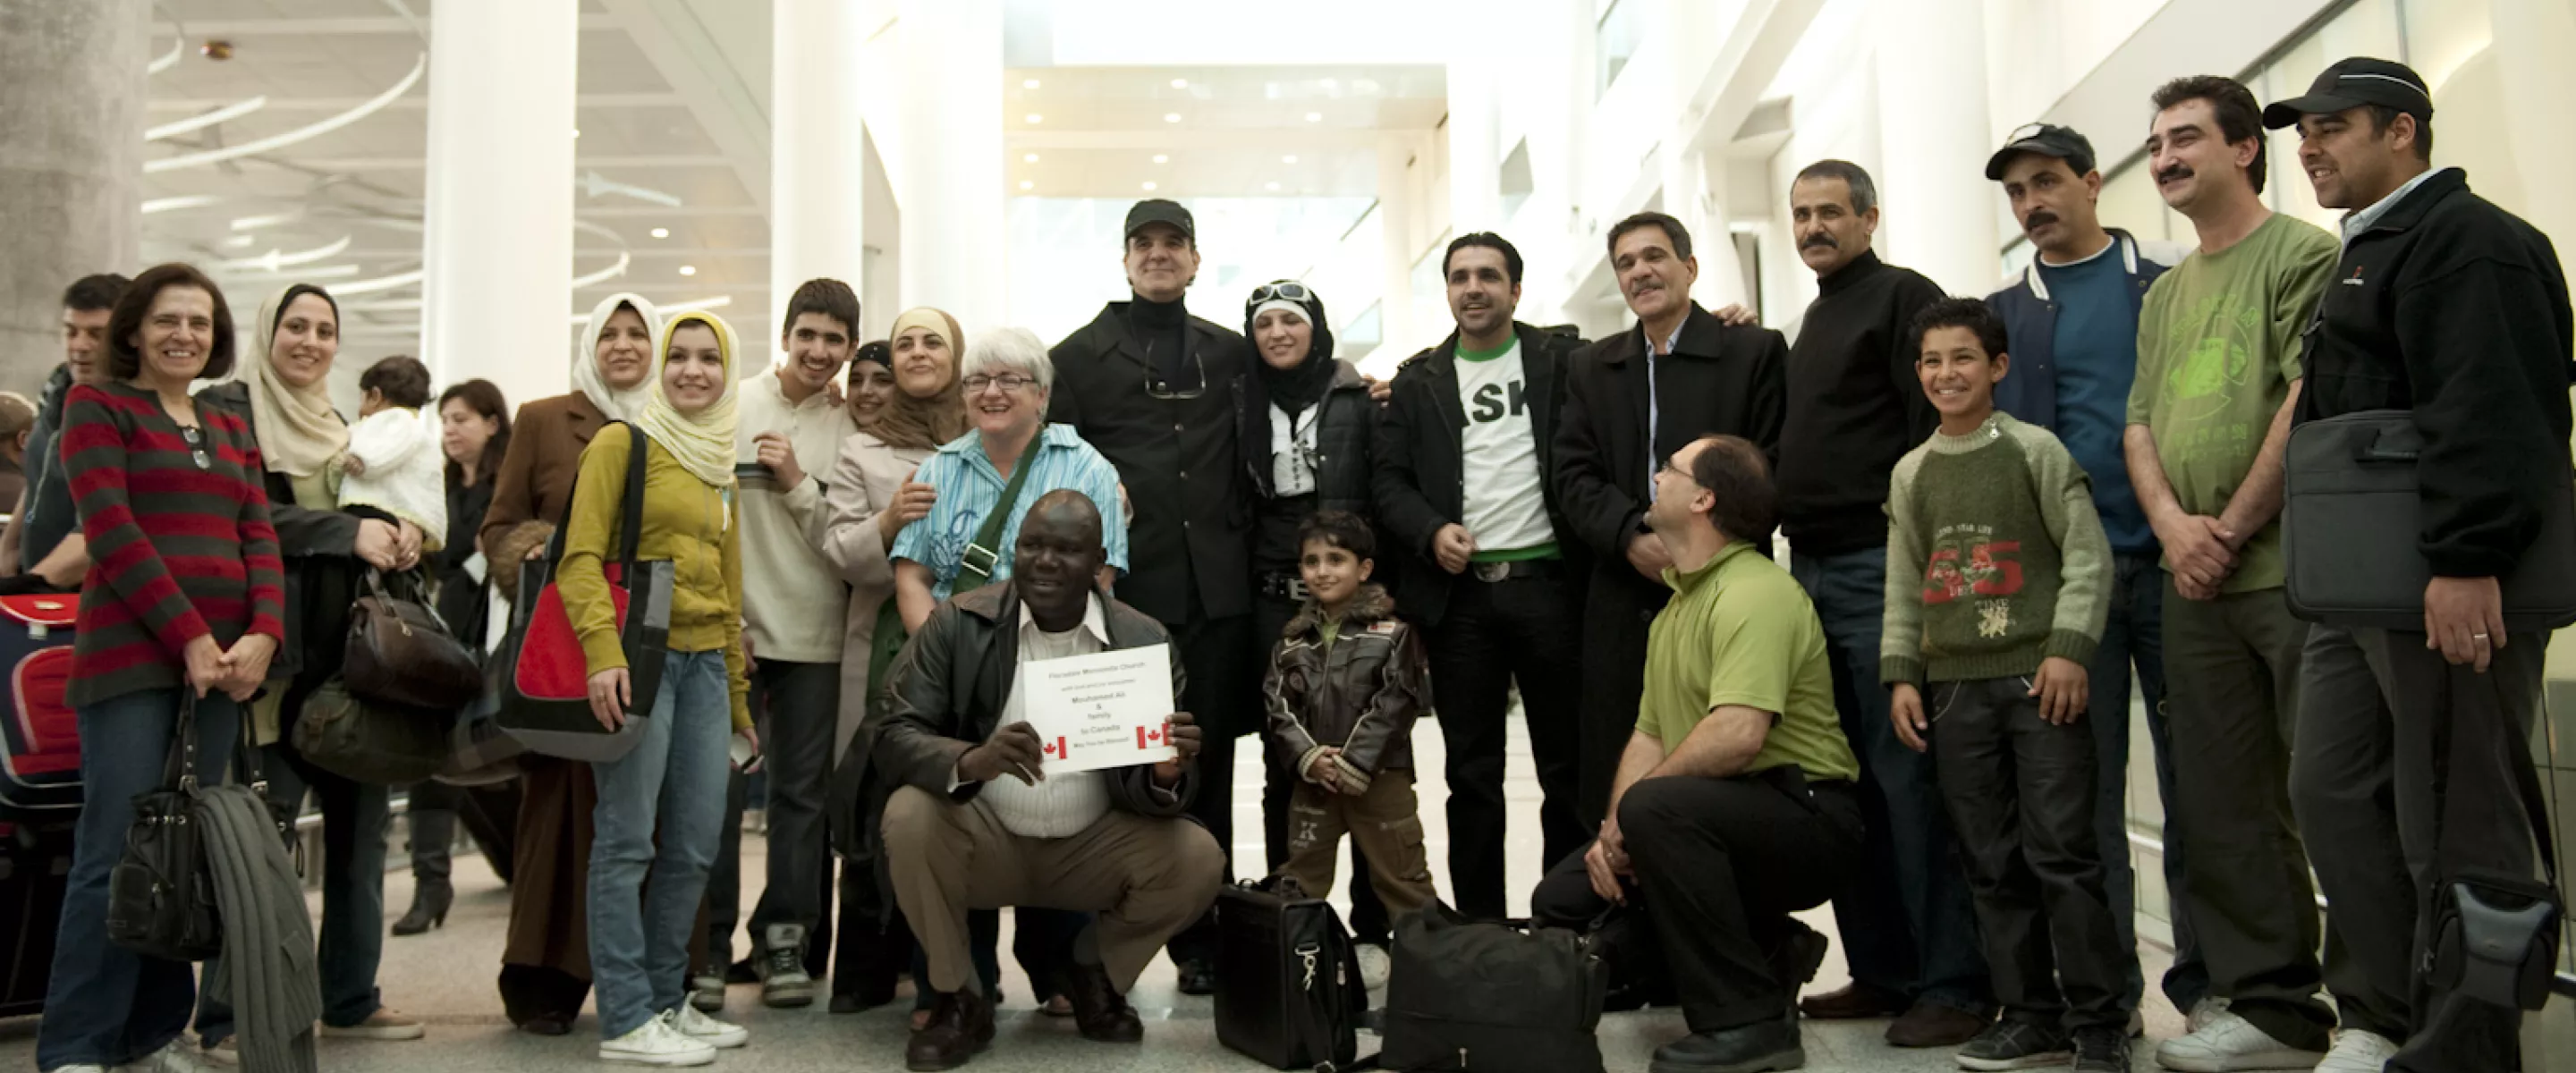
{"x": 2072, "y": 318}
{"x": 1152, "y": 388}
{"x": 2456, "y": 310}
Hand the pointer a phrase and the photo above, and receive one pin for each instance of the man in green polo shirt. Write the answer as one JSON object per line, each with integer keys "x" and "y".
{"x": 1734, "y": 803}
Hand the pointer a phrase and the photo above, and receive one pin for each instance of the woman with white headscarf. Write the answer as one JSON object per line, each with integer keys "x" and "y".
{"x": 283, "y": 391}
{"x": 545, "y": 964}
{"x": 661, "y": 809}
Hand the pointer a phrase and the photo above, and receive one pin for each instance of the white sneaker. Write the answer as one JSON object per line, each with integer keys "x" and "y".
{"x": 2202, "y": 1011}
{"x": 2356, "y": 1051}
{"x": 2231, "y": 1044}
{"x": 1374, "y": 966}
{"x": 656, "y": 1043}
{"x": 687, "y": 1021}
{"x": 178, "y": 1056}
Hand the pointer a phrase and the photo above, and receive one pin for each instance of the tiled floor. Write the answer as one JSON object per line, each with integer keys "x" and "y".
{"x": 446, "y": 977}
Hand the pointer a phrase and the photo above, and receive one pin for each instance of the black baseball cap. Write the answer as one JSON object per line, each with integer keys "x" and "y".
{"x": 1160, "y": 211}
{"x": 2045, "y": 139}
{"x": 2352, "y": 84}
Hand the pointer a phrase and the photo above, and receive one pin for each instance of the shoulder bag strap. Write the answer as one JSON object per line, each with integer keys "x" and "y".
{"x": 179, "y": 772}
{"x": 630, "y": 512}
{"x": 2526, "y": 785}
{"x": 971, "y": 573}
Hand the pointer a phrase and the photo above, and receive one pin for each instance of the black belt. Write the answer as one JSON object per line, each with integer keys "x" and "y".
{"x": 1518, "y": 568}
{"x": 1290, "y": 586}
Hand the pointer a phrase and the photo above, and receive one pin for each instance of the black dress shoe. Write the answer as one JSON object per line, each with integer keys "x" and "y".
{"x": 1858, "y": 1001}
{"x": 547, "y": 1024}
{"x": 961, "y": 1024}
{"x": 1755, "y": 1048}
{"x": 1197, "y": 977}
{"x": 1098, "y": 1009}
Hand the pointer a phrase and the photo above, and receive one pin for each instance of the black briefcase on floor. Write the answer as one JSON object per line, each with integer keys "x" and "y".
{"x": 1288, "y": 979}
{"x": 1477, "y": 997}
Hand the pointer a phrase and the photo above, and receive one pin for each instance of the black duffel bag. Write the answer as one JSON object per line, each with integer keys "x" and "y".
{"x": 1491, "y": 998}
{"x": 1292, "y": 996}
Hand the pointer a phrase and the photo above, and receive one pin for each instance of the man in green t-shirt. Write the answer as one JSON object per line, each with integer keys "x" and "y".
{"x": 2209, "y": 413}
{"x": 1734, "y": 803}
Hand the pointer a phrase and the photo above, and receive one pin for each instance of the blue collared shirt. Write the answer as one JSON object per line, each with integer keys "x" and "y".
{"x": 2360, "y": 220}
{"x": 969, "y": 487}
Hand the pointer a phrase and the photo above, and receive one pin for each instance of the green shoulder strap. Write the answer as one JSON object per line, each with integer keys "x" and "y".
{"x": 975, "y": 565}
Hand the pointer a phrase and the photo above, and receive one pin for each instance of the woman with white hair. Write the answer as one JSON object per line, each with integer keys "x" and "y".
{"x": 1006, "y": 377}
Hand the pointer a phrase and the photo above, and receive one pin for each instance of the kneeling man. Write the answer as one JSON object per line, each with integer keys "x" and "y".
{"x": 975, "y": 821}
{"x": 1734, "y": 803}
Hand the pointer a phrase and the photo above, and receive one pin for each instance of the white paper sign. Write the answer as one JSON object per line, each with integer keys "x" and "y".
{"x": 1104, "y": 710}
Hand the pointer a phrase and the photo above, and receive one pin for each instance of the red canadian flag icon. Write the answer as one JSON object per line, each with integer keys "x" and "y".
{"x": 1056, "y": 748}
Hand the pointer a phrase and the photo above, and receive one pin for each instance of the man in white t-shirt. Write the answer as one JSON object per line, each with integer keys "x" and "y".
{"x": 1462, "y": 483}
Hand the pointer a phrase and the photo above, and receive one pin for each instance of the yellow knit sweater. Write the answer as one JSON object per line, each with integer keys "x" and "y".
{"x": 685, "y": 522}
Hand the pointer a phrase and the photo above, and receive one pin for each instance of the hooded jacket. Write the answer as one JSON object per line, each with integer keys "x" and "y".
{"x": 1361, "y": 693}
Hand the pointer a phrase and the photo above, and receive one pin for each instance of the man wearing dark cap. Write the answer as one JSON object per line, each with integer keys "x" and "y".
{"x": 1152, "y": 388}
{"x": 2072, "y": 317}
{"x": 2412, "y": 773}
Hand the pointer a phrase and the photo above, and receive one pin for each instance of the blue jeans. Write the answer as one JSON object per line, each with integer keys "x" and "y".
{"x": 1908, "y": 924}
{"x": 672, "y": 785}
{"x": 107, "y": 1005}
{"x": 352, "y": 936}
{"x": 2134, "y": 638}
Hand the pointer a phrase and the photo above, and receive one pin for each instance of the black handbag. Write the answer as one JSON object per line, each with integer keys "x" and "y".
{"x": 399, "y": 652}
{"x": 161, "y": 894}
{"x": 367, "y": 741}
{"x": 1291, "y": 995}
{"x": 1467, "y": 995}
{"x": 2352, "y": 512}
{"x": 545, "y": 694}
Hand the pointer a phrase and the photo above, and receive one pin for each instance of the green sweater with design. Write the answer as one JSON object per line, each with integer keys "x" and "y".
{"x": 1995, "y": 558}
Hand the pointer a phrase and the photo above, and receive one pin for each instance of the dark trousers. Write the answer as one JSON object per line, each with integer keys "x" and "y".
{"x": 1223, "y": 692}
{"x": 2133, "y": 638}
{"x": 1494, "y": 633}
{"x": 2020, "y": 791}
{"x": 429, "y": 818}
{"x": 799, "y": 704}
{"x": 1719, "y": 866}
{"x": 2234, "y": 666}
{"x": 2389, "y": 734}
{"x": 1907, "y": 921}
{"x": 351, "y": 937}
{"x": 1369, "y": 924}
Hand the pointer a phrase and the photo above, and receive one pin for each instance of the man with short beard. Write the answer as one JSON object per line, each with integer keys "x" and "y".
{"x": 1855, "y": 407}
{"x": 2455, "y": 311}
{"x": 2072, "y": 321}
{"x": 42, "y": 544}
{"x": 2209, "y": 413}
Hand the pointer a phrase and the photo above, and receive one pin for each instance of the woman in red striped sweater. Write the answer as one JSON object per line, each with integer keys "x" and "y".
{"x": 185, "y": 595}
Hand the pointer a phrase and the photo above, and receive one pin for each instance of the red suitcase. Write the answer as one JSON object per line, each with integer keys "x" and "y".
{"x": 40, "y": 776}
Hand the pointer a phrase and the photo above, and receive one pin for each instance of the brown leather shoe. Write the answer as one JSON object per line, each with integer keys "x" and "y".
{"x": 1856, "y": 1002}
{"x": 1098, "y": 1009}
{"x": 961, "y": 1024}
{"x": 1931, "y": 1024}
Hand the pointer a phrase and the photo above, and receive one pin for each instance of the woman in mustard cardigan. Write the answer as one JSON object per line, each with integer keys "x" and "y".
{"x": 662, "y": 807}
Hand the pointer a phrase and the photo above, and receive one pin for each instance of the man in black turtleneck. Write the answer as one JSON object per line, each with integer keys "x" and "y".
{"x": 1152, "y": 388}
{"x": 1855, "y": 408}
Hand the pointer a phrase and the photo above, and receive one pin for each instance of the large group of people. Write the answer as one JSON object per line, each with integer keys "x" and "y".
{"x": 1999, "y": 513}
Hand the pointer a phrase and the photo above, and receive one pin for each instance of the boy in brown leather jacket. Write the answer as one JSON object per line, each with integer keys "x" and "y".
{"x": 1346, "y": 681}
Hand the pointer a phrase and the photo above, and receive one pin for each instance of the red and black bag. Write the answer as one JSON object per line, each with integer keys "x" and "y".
{"x": 40, "y": 743}
{"x": 545, "y": 695}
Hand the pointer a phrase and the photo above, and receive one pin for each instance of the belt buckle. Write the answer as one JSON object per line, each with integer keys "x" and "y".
{"x": 1490, "y": 572}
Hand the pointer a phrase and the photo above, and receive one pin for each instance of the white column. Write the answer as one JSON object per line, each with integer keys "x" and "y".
{"x": 1475, "y": 149}
{"x": 1937, "y": 216}
{"x": 817, "y": 154}
{"x": 2533, "y": 39}
{"x": 1395, "y": 209}
{"x": 71, "y": 77}
{"x": 953, "y": 219}
{"x": 496, "y": 286}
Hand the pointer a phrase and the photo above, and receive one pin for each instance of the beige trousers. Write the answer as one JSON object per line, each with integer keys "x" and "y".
{"x": 1383, "y": 822}
{"x": 1147, "y": 878}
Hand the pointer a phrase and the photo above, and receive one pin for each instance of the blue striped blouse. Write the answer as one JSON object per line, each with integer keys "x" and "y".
{"x": 969, "y": 486}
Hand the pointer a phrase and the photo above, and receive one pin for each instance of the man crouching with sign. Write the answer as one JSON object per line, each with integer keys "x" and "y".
{"x": 971, "y": 817}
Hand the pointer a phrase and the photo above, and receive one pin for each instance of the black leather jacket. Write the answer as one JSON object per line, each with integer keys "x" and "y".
{"x": 1361, "y": 694}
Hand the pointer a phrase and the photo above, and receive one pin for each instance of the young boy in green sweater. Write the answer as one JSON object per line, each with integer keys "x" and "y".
{"x": 1997, "y": 579}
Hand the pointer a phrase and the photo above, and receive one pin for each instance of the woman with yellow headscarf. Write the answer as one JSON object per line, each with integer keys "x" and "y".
{"x": 662, "y": 807}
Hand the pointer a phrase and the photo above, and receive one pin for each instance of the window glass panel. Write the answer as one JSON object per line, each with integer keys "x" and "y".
{"x": 2130, "y": 202}
{"x": 2368, "y": 28}
{"x": 1614, "y": 43}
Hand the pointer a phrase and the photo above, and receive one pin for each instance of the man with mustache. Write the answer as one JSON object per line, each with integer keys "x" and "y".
{"x": 2209, "y": 412}
{"x": 1855, "y": 407}
{"x": 1631, "y": 400}
{"x": 2455, "y": 311}
{"x": 2072, "y": 321}
{"x": 1152, "y": 388}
